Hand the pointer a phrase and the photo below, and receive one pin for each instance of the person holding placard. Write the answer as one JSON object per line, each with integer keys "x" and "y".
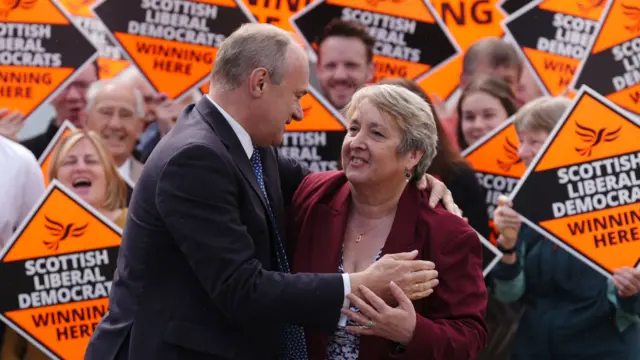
{"x": 572, "y": 311}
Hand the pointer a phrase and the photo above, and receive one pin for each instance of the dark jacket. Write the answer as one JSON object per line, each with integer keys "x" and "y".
{"x": 450, "y": 324}
{"x": 196, "y": 275}
{"x": 572, "y": 311}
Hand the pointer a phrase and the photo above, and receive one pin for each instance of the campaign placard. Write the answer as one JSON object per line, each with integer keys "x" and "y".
{"x": 511, "y": 6}
{"x": 35, "y": 65}
{"x": 583, "y": 188}
{"x": 612, "y": 67}
{"x": 110, "y": 60}
{"x": 554, "y": 37}
{"x": 467, "y": 21}
{"x": 276, "y": 12}
{"x": 316, "y": 141}
{"x": 406, "y": 33}
{"x": 495, "y": 160}
{"x": 56, "y": 273}
{"x": 491, "y": 256}
{"x": 172, "y": 43}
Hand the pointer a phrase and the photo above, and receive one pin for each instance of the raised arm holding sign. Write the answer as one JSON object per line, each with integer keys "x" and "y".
{"x": 555, "y": 262}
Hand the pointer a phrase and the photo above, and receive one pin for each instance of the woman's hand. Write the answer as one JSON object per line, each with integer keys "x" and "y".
{"x": 379, "y": 319}
{"x": 627, "y": 281}
{"x": 439, "y": 192}
{"x": 507, "y": 221}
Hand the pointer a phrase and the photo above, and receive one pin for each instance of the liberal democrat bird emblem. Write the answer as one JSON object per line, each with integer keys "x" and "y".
{"x": 7, "y": 6}
{"x": 594, "y": 138}
{"x": 512, "y": 155}
{"x": 633, "y": 13}
{"x": 587, "y": 5}
{"x": 61, "y": 232}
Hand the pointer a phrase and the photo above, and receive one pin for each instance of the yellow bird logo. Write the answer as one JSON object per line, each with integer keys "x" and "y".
{"x": 511, "y": 151}
{"x": 586, "y": 6}
{"x": 594, "y": 138}
{"x": 61, "y": 232}
{"x": 7, "y": 6}
{"x": 633, "y": 13}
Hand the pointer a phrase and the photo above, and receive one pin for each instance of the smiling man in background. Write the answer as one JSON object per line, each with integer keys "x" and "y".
{"x": 116, "y": 112}
{"x": 345, "y": 60}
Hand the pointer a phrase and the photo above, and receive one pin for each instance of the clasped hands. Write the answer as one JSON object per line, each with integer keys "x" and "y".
{"x": 383, "y": 295}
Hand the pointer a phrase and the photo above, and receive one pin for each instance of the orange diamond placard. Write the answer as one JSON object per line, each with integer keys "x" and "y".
{"x": 582, "y": 190}
{"x": 34, "y": 64}
{"x": 554, "y": 37}
{"x": 315, "y": 141}
{"x": 56, "y": 273}
{"x": 399, "y": 27}
{"x": 496, "y": 162}
{"x": 174, "y": 46}
{"x": 467, "y": 21}
{"x": 276, "y": 12}
{"x": 612, "y": 67}
{"x": 110, "y": 61}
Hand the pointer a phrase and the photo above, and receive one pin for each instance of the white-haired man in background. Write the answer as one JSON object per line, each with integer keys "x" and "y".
{"x": 116, "y": 112}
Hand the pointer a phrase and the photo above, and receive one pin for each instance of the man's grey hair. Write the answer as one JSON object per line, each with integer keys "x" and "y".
{"x": 98, "y": 86}
{"x": 250, "y": 47}
{"x": 411, "y": 113}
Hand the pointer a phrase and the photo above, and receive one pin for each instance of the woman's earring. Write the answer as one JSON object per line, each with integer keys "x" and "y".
{"x": 407, "y": 175}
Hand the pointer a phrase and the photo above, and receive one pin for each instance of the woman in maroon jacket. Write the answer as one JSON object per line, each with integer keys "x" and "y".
{"x": 343, "y": 221}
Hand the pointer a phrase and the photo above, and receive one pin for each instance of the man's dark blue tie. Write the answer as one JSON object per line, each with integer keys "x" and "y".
{"x": 294, "y": 343}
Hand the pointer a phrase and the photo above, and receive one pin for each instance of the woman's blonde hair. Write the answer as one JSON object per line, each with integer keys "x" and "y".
{"x": 412, "y": 114}
{"x": 541, "y": 114}
{"x": 116, "y": 196}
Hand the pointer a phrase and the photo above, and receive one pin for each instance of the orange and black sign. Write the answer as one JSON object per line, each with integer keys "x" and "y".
{"x": 315, "y": 141}
{"x": 173, "y": 43}
{"x": 490, "y": 255}
{"x": 110, "y": 61}
{"x": 583, "y": 188}
{"x": 511, "y": 6}
{"x": 34, "y": 63}
{"x": 612, "y": 67}
{"x": 496, "y": 162}
{"x": 554, "y": 37}
{"x": 467, "y": 21}
{"x": 56, "y": 273}
{"x": 276, "y": 12}
{"x": 406, "y": 33}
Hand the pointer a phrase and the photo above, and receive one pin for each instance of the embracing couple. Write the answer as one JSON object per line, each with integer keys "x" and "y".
{"x": 232, "y": 251}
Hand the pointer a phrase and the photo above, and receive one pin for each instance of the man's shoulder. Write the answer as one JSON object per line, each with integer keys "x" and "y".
{"x": 17, "y": 151}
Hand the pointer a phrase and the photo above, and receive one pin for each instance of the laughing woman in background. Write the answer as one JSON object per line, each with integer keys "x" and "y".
{"x": 82, "y": 164}
{"x": 572, "y": 311}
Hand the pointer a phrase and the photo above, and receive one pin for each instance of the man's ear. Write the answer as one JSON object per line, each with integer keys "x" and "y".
{"x": 257, "y": 81}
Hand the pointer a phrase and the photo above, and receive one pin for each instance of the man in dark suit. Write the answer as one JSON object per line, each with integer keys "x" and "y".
{"x": 202, "y": 273}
